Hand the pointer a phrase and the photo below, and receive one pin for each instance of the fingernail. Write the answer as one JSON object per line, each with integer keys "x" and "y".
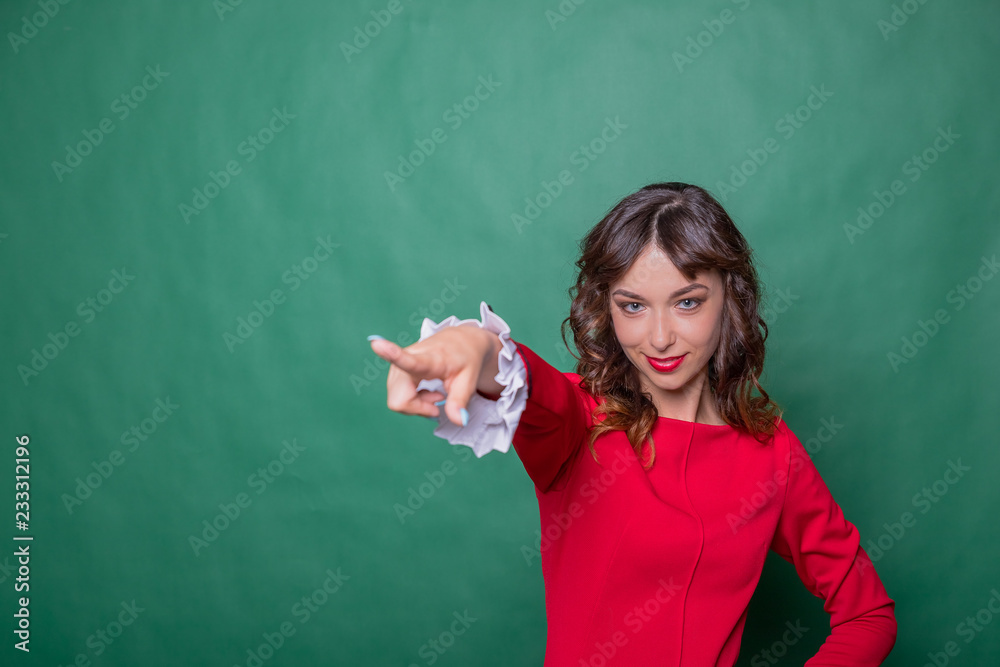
{"x": 465, "y": 417}
{"x": 375, "y": 337}
{"x": 441, "y": 402}
{"x": 431, "y": 417}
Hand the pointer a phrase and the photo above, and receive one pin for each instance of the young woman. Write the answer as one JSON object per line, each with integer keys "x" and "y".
{"x": 662, "y": 481}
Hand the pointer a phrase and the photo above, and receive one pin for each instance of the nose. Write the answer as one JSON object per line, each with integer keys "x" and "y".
{"x": 661, "y": 337}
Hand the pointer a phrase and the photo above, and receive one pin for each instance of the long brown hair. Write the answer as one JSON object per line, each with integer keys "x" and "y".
{"x": 693, "y": 229}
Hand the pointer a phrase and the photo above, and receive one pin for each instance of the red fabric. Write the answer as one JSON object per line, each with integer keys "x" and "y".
{"x": 657, "y": 567}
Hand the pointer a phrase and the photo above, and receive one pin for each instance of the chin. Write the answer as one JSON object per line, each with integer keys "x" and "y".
{"x": 671, "y": 383}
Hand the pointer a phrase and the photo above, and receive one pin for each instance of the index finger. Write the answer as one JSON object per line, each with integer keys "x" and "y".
{"x": 415, "y": 365}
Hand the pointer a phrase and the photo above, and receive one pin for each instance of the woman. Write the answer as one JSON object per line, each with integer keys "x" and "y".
{"x": 654, "y": 534}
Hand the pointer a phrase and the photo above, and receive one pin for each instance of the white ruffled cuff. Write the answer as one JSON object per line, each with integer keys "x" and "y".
{"x": 491, "y": 423}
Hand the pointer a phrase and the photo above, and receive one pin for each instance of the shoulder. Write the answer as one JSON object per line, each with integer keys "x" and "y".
{"x": 781, "y": 434}
{"x": 795, "y": 458}
{"x": 586, "y": 398}
{"x": 577, "y": 381}
{"x": 781, "y": 445}
{"x": 789, "y": 442}
{"x": 782, "y": 431}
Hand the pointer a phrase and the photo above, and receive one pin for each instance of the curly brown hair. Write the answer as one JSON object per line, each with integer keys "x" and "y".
{"x": 697, "y": 234}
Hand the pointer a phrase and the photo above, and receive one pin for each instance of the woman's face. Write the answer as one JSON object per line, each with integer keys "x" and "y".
{"x": 668, "y": 326}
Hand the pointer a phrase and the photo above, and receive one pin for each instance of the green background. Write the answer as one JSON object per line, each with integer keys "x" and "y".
{"x": 434, "y": 245}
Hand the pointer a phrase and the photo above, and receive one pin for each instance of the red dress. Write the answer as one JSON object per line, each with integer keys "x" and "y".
{"x": 657, "y": 567}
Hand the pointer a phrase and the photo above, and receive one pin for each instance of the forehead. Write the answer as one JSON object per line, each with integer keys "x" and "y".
{"x": 653, "y": 269}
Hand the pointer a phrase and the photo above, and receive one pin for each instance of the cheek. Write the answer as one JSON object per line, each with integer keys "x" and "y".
{"x": 627, "y": 331}
{"x": 702, "y": 333}
{"x": 711, "y": 333}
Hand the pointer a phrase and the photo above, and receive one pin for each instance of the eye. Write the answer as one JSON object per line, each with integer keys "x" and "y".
{"x": 625, "y": 306}
{"x": 695, "y": 303}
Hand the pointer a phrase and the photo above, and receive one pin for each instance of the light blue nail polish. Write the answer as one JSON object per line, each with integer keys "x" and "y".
{"x": 375, "y": 337}
{"x": 465, "y": 417}
{"x": 441, "y": 402}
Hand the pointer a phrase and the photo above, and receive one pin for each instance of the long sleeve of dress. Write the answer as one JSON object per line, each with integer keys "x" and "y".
{"x": 554, "y": 421}
{"x": 813, "y": 534}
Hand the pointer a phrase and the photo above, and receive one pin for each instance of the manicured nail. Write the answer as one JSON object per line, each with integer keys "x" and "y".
{"x": 441, "y": 402}
{"x": 375, "y": 337}
{"x": 465, "y": 417}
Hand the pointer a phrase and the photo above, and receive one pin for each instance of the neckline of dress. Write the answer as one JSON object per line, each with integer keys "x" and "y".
{"x": 684, "y": 421}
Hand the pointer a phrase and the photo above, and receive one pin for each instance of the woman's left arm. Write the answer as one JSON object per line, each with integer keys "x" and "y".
{"x": 825, "y": 549}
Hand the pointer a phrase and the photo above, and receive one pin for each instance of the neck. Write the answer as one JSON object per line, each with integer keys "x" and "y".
{"x": 694, "y": 402}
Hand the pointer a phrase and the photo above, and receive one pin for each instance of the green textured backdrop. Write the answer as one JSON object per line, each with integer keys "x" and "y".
{"x": 169, "y": 168}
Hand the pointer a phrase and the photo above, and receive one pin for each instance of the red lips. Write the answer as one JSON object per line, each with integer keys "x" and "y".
{"x": 665, "y": 365}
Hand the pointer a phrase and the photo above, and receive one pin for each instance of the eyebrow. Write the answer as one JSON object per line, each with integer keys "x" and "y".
{"x": 677, "y": 293}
